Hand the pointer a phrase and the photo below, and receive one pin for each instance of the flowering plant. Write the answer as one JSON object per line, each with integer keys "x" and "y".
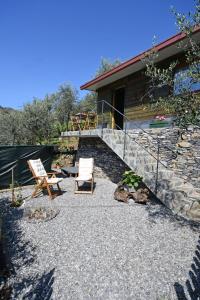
{"x": 160, "y": 118}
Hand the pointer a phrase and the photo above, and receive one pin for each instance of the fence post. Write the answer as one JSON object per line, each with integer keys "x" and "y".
{"x": 157, "y": 165}
{"x": 124, "y": 150}
{"x": 13, "y": 185}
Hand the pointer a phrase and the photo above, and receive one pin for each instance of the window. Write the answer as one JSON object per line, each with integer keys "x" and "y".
{"x": 183, "y": 81}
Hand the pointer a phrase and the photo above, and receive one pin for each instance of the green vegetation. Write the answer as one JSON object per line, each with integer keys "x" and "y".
{"x": 43, "y": 120}
{"x": 131, "y": 179}
{"x": 106, "y": 65}
{"x": 178, "y": 84}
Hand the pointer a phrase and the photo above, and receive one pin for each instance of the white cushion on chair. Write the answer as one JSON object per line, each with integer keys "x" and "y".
{"x": 53, "y": 180}
{"x": 84, "y": 177}
{"x": 86, "y": 166}
{"x": 85, "y": 173}
{"x": 38, "y": 167}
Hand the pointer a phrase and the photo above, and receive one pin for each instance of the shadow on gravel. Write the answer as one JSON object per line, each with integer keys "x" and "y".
{"x": 36, "y": 288}
{"x": 192, "y": 284}
{"x": 15, "y": 246}
{"x": 157, "y": 212}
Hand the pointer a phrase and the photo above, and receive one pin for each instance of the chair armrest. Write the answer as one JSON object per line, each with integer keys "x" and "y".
{"x": 52, "y": 174}
{"x": 42, "y": 178}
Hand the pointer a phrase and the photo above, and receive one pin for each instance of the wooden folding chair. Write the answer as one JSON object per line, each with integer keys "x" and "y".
{"x": 85, "y": 174}
{"x": 43, "y": 179}
{"x": 74, "y": 123}
{"x": 92, "y": 120}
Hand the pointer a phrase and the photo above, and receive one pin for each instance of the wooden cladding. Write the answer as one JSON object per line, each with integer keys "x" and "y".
{"x": 136, "y": 99}
{"x": 142, "y": 112}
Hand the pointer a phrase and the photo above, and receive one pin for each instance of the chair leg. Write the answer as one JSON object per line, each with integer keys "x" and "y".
{"x": 35, "y": 191}
{"x": 49, "y": 192}
{"x": 92, "y": 186}
{"x": 59, "y": 189}
{"x": 76, "y": 185}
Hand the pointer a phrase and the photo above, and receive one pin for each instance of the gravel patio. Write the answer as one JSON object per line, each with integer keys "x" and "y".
{"x": 98, "y": 248}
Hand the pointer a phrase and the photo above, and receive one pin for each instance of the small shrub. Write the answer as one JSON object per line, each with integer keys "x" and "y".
{"x": 17, "y": 198}
{"x": 131, "y": 179}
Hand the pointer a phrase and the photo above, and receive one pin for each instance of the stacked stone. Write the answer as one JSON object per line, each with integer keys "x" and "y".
{"x": 179, "y": 152}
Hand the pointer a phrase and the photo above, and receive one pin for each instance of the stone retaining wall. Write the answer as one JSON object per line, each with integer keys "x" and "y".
{"x": 185, "y": 160}
{"x": 107, "y": 163}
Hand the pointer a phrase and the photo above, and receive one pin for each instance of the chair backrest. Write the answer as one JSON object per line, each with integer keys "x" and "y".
{"x": 37, "y": 168}
{"x": 86, "y": 166}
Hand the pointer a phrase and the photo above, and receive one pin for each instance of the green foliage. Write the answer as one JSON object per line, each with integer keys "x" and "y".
{"x": 65, "y": 102}
{"x": 17, "y": 198}
{"x": 12, "y": 131}
{"x": 88, "y": 102}
{"x": 38, "y": 120}
{"x": 42, "y": 120}
{"x": 16, "y": 203}
{"x": 131, "y": 179}
{"x": 106, "y": 65}
{"x": 185, "y": 104}
{"x": 60, "y": 127}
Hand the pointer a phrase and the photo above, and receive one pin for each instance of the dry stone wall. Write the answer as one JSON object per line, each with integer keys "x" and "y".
{"x": 179, "y": 150}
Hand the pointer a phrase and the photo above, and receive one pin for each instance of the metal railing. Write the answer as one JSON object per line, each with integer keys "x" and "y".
{"x": 101, "y": 110}
{"x": 152, "y": 139}
{"x": 124, "y": 130}
{"x": 102, "y": 107}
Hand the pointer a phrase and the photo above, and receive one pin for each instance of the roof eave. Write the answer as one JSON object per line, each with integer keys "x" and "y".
{"x": 91, "y": 85}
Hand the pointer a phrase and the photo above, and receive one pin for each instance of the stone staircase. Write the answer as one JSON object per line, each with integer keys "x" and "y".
{"x": 177, "y": 194}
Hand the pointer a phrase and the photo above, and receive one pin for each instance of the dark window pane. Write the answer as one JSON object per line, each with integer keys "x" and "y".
{"x": 183, "y": 82}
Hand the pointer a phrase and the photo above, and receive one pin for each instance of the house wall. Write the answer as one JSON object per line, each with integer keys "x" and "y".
{"x": 137, "y": 103}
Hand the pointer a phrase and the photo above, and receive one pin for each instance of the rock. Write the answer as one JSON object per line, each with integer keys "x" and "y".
{"x": 131, "y": 201}
{"x": 121, "y": 194}
{"x": 184, "y": 144}
{"x": 195, "y": 135}
{"x": 141, "y": 196}
{"x": 184, "y": 136}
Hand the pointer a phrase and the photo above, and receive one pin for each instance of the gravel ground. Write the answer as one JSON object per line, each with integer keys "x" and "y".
{"x": 98, "y": 248}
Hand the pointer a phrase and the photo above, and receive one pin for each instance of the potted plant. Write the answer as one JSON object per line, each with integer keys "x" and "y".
{"x": 131, "y": 179}
{"x": 159, "y": 121}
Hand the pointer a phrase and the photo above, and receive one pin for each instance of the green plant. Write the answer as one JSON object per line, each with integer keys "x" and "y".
{"x": 178, "y": 86}
{"x": 17, "y": 203}
{"x": 17, "y": 198}
{"x": 131, "y": 179}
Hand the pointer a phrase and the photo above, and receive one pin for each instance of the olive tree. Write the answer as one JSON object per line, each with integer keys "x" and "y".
{"x": 38, "y": 120}
{"x": 65, "y": 102}
{"x": 181, "y": 100}
{"x": 106, "y": 65}
{"x": 12, "y": 131}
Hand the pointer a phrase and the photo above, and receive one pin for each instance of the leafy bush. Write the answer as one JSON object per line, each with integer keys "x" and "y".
{"x": 131, "y": 179}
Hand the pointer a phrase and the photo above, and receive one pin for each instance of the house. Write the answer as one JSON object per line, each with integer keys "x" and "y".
{"x": 124, "y": 103}
{"x": 126, "y": 86}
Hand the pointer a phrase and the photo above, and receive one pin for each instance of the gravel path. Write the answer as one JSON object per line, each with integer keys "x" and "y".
{"x": 98, "y": 248}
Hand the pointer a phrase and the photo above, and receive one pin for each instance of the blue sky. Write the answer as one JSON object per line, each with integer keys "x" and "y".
{"x": 45, "y": 43}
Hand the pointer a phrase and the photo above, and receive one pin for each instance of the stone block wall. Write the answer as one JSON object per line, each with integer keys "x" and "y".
{"x": 107, "y": 163}
{"x": 184, "y": 160}
{"x": 169, "y": 184}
